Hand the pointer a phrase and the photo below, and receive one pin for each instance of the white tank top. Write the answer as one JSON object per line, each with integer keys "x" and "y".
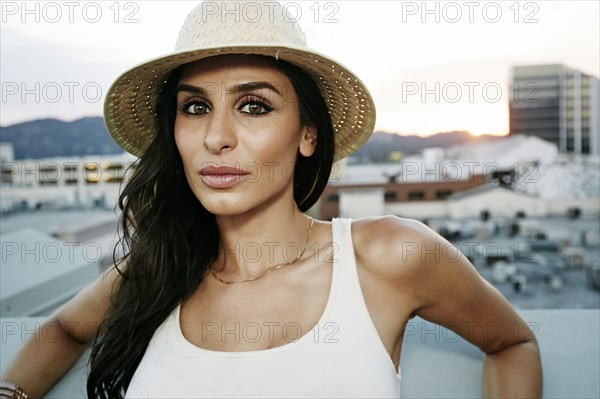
{"x": 341, "y": 357}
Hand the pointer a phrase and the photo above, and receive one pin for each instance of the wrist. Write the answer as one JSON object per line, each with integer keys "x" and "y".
{"x": 11, "y": 390}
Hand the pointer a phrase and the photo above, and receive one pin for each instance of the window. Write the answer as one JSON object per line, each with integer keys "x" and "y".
{"x": 442, "y": 194}
{"x": 48, "y": 182}
{"x": 113, "y": 179}
{"x": 416, "y": 195}
{"x": 48, "y": 175}
{"x": 390, "y": 196}
{"x": 7, "y": 175}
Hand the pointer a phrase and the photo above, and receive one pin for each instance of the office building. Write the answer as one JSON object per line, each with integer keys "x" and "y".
{"x": 558, "y": 104}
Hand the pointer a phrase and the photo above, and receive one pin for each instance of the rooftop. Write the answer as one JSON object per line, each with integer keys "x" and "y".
{"x": 435, "y": 362}
{"x": 554, "y": 254}
{"x": 50, "y": 220}
{"x": 30, "y": 258}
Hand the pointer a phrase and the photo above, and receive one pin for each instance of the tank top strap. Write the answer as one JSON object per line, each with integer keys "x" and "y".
{"x": 346, "y": 271}
{"x": 351, "y": 304}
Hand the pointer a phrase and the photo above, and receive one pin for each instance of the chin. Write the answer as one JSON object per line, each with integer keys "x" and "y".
{"x": 228, "y": 204}
{"x": 237, "y": 203}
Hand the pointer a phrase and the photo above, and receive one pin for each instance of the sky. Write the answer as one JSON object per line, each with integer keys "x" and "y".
{"x": 431, "y": 66}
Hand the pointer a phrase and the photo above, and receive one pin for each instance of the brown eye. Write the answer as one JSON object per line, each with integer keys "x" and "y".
{"x": 197, "y": 109}
{"x": 254, "y": 109}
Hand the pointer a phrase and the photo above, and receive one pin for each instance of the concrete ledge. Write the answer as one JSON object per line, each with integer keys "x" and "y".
{"x": 435, "y": 366}
{"x": 435, "y": 362}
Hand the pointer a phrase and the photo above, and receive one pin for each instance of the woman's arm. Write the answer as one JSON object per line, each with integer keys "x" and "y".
{"x": 446, "y": 289}
{"x": 61, "y": 339}
{"x": 456, "y": 296}
{"x": 514, "y": 372}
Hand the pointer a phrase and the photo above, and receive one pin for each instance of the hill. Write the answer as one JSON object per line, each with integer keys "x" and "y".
{"x": 44, "y": 138}
{"x": 381, "y": 144}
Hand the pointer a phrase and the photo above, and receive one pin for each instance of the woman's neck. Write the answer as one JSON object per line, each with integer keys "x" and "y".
{"x": 259, "y": 240}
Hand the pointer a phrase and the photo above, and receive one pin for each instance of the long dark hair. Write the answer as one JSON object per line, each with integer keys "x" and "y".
{"x": 160, "y": 240}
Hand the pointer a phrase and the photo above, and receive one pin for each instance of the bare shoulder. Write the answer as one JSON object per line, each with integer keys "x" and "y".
{"x": 413, "y": 265}
{"x": 404, "y": 256}
{"x": 391, "y": 243}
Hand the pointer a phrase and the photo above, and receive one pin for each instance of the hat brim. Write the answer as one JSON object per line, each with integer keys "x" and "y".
{"x": 130, "y": 104}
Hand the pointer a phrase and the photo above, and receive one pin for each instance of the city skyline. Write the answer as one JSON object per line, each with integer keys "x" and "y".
{"x": 431, "y": 68}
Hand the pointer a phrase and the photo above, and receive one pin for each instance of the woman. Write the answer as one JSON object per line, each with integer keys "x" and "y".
{"x": 227, "y": 287}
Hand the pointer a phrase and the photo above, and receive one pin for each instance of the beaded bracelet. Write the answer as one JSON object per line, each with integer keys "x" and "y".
{"x": 11, "y": 390}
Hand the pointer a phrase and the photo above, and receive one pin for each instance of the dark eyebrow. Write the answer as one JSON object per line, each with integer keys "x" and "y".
{"x": 190, "y": 88}
{"x": 251, "y": 86}
{"x": 238, "y": 88}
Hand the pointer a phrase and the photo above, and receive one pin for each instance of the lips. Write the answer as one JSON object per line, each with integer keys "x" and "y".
{"x": 223, "y": 176}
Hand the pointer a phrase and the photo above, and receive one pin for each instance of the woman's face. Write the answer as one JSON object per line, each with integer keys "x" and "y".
{"x": 238, "y": 131}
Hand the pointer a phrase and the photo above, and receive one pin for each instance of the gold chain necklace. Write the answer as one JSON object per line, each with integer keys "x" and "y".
{"x": 272, "y": 268}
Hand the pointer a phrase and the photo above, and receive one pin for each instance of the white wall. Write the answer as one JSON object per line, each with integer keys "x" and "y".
{"x": 499, "y": 202}
{"x": 588, "y": 206}
{"x": 418, "y": 209}
{"x": 361, "y": 203}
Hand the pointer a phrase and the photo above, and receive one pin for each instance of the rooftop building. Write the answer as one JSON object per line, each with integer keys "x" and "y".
{"x": 556, "y": 103}
{"x": 517, "y": 174}
{"x": 63, "y": 182}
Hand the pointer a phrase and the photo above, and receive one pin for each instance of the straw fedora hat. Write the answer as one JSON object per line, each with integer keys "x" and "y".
{"x": 238, "y": 27}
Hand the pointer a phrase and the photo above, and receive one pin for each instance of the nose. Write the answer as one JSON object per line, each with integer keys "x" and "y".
{"x": 220, "y": 132}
